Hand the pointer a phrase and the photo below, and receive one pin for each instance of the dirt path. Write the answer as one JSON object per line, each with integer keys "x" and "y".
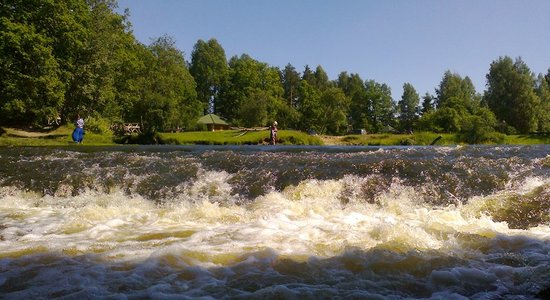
{"x": 28, "y": 134}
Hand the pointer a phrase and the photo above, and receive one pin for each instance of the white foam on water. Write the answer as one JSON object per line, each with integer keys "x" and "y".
{"x": 531, "y": 183}
{"x": 211, "y": 186}
{"x": 205, "y": 230}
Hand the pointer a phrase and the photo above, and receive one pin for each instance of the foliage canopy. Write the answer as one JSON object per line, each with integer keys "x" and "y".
{"x": 62, "y": 58}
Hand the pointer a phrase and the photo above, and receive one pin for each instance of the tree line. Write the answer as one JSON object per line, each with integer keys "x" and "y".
{"x": 63, "y": 58}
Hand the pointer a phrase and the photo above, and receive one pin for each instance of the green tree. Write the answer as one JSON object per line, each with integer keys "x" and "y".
{"x": 456, "y": 100}
{"x": 39, "y": 43}
{"x": 510, "y": 94}
{"x": 543, "y": 92}
{"x": 479, "y": 127}
{"x": 308, "y": 76}
{"x": 210, "y": 69}
{"x": 408, "y": 108}
{"x": 354, "y": 89}
{"x": 97, "y": 70}
{"x": 318, "y": 78}
{"x": 309, "y": 107}
{"x": 286, "y": 116}
{"x": 427, "y": 103}
{"x": 315, "y": 95}
{"x": 32, "y": 88}
{"x": 456, "y": 92}
{"x": 291, "y": 83}
{"x": 333, "y": 111}
{"x": 254, "y": 109}
{"x": 132, "y": 75}
{"x": 381, "y": 108}
{"x": 459, "y": 110}
{"x": 321, "y": 78}
{"x": 247, "y": 76}
{"x": 168, "y": 91}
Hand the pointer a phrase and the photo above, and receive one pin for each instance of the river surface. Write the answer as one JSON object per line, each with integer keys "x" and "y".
{"x": 279, "y": 222}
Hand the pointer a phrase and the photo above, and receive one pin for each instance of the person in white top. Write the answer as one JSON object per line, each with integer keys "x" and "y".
{"x": 273, "y": 134}
{"x": 80, "y": 122}
{"x": 78, "y": 133}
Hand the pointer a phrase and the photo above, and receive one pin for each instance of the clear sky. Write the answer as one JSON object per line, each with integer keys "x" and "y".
{"x": 390, "y": 41}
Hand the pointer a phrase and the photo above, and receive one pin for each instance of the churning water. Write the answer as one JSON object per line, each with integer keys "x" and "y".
{"x": 275, "y": 222}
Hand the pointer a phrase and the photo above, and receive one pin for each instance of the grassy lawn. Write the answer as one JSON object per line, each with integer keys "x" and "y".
{"x": 426, "y": 138}
{"x": 57, "y": 137}
{"x": 236, "y": 137}
{"x": 420, "y": 139}
{"x": 530, "y": 139}
{"x": 62, "y": 137}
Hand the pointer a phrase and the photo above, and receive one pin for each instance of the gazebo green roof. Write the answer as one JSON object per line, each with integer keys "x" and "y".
{"x": 211, "y": 119}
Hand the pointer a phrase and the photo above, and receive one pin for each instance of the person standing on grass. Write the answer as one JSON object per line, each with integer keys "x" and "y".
{"x": 273, "y": 134}
{"x": 78, "y": 133}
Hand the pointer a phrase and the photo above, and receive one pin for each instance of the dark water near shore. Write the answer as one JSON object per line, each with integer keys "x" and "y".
{"x": 275, "y": 222}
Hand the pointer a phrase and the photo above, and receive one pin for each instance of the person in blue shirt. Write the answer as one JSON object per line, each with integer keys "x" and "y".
{"x": 78, "y": 133}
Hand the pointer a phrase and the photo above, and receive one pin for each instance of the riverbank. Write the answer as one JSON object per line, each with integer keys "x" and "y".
{"x": 61, "y": 136}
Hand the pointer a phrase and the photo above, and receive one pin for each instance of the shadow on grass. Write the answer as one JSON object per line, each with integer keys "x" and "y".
{"x": 139, "y": 139}
{"x": 53, "y": 136}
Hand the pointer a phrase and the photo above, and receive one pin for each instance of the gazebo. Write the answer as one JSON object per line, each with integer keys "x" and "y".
{"x": 213, "y": 122}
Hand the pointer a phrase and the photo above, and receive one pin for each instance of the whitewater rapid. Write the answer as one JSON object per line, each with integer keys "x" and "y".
{"x": 337, "y": 234}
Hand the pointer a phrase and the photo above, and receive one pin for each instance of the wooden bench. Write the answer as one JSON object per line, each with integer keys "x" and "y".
{"x": 126, "y": 128}
{"x": 54, "y": 120}
{"x": 130, "y": 128}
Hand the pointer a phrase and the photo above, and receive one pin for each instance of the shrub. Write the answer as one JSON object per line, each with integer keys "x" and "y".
{"x": 146, "y": 138}
{"x": 480, "y": 128}
{"x": 481, "y": 134}
{"x": 98, "y": 125}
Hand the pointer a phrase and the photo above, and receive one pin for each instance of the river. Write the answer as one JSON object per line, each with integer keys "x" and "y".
{"x": 275, "y": 222}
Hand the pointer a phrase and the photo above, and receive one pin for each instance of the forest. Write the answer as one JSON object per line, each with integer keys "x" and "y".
{"x": 63, "y": 58}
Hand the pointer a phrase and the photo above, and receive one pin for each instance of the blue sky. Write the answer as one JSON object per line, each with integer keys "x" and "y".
{"x": 391, "y": 41}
